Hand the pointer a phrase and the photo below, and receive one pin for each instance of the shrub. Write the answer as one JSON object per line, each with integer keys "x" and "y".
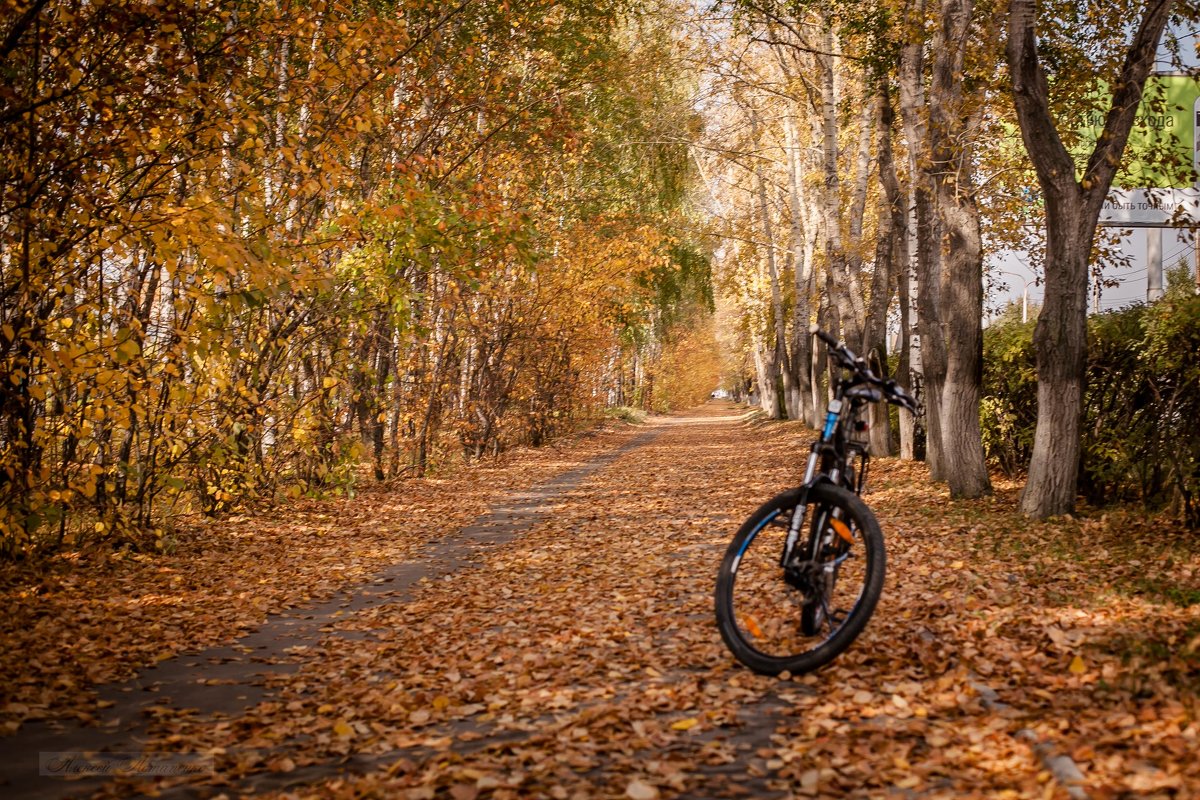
{"x": 1141, "y": 425}
{"x": 1008, "y": 409}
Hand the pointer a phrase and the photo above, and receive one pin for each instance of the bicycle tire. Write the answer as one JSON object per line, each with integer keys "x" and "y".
{"x": 746, "y": 637}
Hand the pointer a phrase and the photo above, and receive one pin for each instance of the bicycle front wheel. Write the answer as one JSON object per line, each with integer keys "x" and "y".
{"x": 800, "y": 616}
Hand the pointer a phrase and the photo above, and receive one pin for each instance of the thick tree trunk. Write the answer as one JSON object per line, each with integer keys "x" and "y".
{"x": 962, "y": 447}
{"x": 766, "y": 370}
{"x": 1072, "y": 209}
{"x": 880, "y": 433}
{"x": 1060, "y": 341}
{"x": 965, "y": 468}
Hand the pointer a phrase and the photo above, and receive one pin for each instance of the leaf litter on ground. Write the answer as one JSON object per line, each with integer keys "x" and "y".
{"x": 581, "y": 660}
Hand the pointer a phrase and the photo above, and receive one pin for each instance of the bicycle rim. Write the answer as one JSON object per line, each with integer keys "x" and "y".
{"x": 774, "y": 620}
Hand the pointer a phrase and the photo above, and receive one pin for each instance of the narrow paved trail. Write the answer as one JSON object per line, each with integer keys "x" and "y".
{"x": 562, "y": 645}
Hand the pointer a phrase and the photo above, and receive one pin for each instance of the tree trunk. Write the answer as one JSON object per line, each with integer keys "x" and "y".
{"x": 1060, "y": 342}
{"x": 799, "y": 398}
{"x": 815, "y": 402}
{"x": 928, "y": 324}
{"x": 889, "y": 250}
{"x": 383, "y": 368}
{"x": 766, "y": 370}
{"x": 855, "y": 305}
{"x": 826, "y": 133}
{"x": 820, "y": 363}
{"x": 908, "y": 422}
{"x": 1072, "y": 210}
{"x": 965, "y": 468}
{"x": 779, "y": 357}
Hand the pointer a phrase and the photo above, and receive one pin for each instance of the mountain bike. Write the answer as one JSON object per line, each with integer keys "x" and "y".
{"x": 804, "y": 573}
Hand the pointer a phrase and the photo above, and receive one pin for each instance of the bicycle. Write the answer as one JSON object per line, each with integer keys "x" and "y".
{"x": 787, "y": 602}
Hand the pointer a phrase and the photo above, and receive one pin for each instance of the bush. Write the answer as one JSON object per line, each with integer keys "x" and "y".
{"x": 1141, "y": 436}
{"x": 1008, "y": 408}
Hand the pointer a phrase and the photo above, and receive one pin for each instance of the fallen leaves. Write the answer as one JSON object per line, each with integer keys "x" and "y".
{"x": 96, "y": 617}
{"x": 638, "y": 790}
{"x": 580, "y": 660}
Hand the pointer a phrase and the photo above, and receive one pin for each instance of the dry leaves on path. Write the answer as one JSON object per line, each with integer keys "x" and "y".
{"x": 581, "y": 660}
{"x": 91, "y": 618}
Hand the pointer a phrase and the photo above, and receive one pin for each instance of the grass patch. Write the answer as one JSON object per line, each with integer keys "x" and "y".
{"x": 1162, "y": 590}
{"x": 1162, "y": 654}
{"x": 634, "y": 416}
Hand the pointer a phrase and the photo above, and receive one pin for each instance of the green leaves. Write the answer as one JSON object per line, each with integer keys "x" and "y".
{"x": 1141, "y": 381}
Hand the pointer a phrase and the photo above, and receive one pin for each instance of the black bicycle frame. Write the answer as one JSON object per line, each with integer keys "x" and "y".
{"x": 833, "y": 455}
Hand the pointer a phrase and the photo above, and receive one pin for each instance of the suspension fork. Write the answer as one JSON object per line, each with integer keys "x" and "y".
{"x": 797, "y": 521}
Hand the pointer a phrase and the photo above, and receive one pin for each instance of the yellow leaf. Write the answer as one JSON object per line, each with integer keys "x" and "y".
{"x": 440, "y": 702}
{"x": 342, "y": 729}
{"x": 684, "y": 724}
{"x": 329, "y": 383}
{"x": 638, "y": 790}
{"x": 1077, "y": 666}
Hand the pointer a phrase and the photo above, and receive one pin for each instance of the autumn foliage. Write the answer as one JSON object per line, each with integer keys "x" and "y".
{"x": 245, "y": 248}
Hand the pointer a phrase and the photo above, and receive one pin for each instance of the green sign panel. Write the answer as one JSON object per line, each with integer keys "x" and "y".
{"x": 1163, "y": 150}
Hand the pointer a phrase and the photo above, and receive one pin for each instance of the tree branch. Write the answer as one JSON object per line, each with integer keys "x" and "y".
{"x": 1031, "y": 96}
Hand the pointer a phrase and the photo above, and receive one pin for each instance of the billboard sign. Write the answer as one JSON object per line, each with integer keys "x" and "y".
{"x": 1156, "y": 187}
{"x": 1151, "y": 208}
{"x": 1161, "y": 151}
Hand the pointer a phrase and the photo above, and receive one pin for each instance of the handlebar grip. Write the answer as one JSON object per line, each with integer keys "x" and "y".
{"x": 891, "y": 390}
{"x": 903, "y": 398}
{"x": 815, "y": 329}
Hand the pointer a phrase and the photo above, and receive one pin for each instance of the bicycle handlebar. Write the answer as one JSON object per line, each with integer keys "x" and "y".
{"x": 892, "y": 391}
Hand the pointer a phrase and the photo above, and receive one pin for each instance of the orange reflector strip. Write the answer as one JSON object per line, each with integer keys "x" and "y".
{"x": 842, "y": 529}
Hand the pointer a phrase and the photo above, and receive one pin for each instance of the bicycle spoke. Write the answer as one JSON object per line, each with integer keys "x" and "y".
{"x": 800, "y": 616}
{"x": 755, "y": 601}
